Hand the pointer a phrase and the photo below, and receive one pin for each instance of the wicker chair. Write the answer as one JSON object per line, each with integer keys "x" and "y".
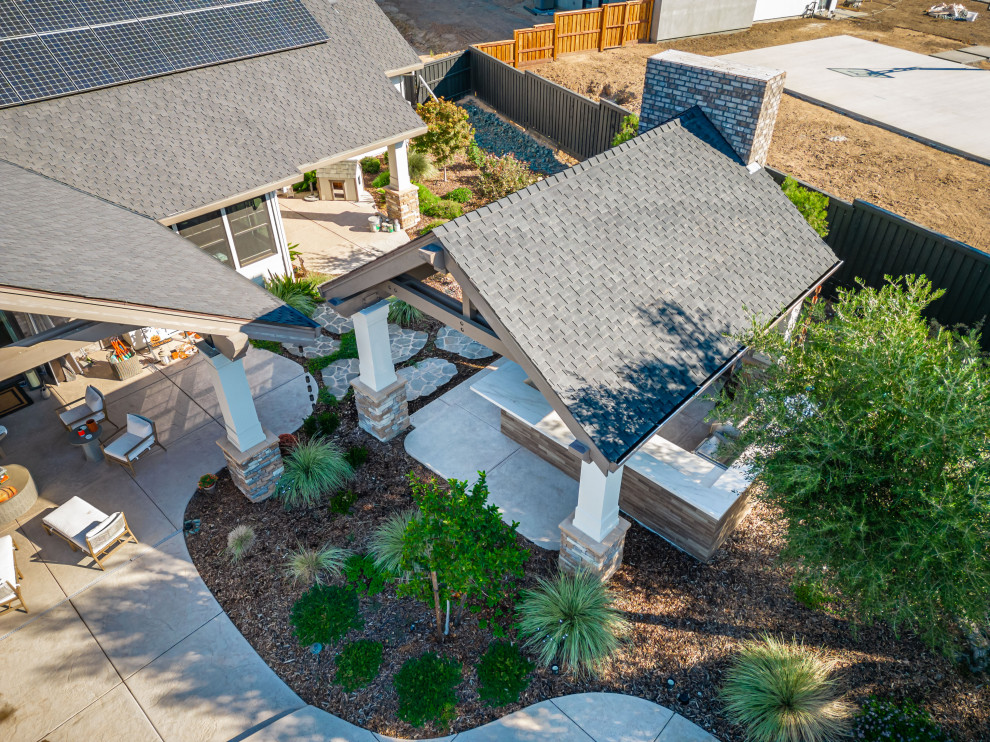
{"x": 92, "y": 406}
{"x": 10, "y": 575}
{"x": 139, "y": 436}
{"x": 86, "y": 528}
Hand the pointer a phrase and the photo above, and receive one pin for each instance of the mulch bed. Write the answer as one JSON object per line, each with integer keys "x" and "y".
{"x": 688, "y": 618}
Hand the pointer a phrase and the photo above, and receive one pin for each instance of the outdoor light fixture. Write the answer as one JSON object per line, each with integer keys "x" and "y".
{"x": 554, "y": 669}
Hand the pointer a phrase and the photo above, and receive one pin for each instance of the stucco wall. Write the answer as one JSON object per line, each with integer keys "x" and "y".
{"x": 674, "y": 19}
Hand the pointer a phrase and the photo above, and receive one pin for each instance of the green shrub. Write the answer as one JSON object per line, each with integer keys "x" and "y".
{"x": 356, "y": 456}
{"x": 809, "y": 594}
{"x": 381, "y": 180}
{"x": 312, "y": 470}
{"x": 309, "y": 179}
{"x": 341, "y": 502}
{"x": 425, "y": 686}
{"x": 315, "y": 565}
{"x": 347, "y": 349}
{"x": 571, "y": 618}
{"x": 371, "y": 165}
{"x": 883, "y": 720}
{"x": 302, "y": 294}
{"x": 475, "y": 156}
{"x": 432, "y": 225}
{"x": 324, "y": 614}
{"x": 501, "y": 176}
{"x": 239, "y": 542}
{"x": 363, "y": 575}
{"x": 780, "y": 692}
{"x": 427, "y": 199}
{"x": 387, "y": 542}
{"x": 420, "y": 166}
{"x": 630, "y": 128}
{"x": 321, "y": 424}
{"x": 401, "y": 313}
{"x": 444, "y": 209}
{"x": 358, "y": 664}
{"x": 461, "y": 195}
{"x": 813, "y": 206}
{"x": 269, "y": 345}
{"x": 503, "y": 673}
{"x": 326, "y": 397}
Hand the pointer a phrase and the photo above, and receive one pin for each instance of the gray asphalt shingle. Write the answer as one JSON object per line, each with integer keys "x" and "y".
{"x": 621, "y": 277}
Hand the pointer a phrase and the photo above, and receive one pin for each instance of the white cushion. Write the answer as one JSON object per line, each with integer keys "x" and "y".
{"x": 121, "y": 447}
{"x": 7, "y": 571}
{"x": 94, "y": 400}
{"x": 74, "y": 520}
{"x": 106, "y": 531}
{"x": 137, "y": 425}
{"x": 79, "y": 414}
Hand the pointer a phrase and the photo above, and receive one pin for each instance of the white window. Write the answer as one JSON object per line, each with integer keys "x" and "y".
{"x": 235, "y": 235}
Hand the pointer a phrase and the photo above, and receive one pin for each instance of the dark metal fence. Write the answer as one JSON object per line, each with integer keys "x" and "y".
{"x": 448, "y": 78}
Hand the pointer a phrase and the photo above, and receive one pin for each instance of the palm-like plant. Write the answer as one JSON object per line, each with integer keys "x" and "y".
{"x": 387, "y": 540}
{"x": 312, "y": 470}
{"x": 781, "y": 692}
{"x": 315, "y": 565}
{"x": 402, "y": 313}
{"x": 301, "y": 294}
{"x": 571, "y": 618}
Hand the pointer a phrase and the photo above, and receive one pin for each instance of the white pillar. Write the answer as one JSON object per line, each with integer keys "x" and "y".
{"x": 398, "y": 166}
{"x": 597, "y": 510}
{"x": 236, "y": 403}
{"x": 374, "y": 348}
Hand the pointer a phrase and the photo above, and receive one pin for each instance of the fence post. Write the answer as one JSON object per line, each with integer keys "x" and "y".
{"x": 556, "y": 35}
{"x": 601, "y": 27}
{"x": 515, "y": 48}
{"x": 625, "y": 22}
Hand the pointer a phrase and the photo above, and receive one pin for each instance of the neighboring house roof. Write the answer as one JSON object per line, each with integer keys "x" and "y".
{"x": 167, "y": 145}
{"x": 105, "y": 262}
{"x": 620, "y": 278}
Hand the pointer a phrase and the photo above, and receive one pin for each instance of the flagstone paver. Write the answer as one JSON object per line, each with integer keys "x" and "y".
{"x": 425, "y": 377}
{"x": 330, "y": 321}
{"x": 338, "y": 375}
{"x": 454, "y": 341}
{"x": 405, "y": 343}
{"x": 322, "y": 346}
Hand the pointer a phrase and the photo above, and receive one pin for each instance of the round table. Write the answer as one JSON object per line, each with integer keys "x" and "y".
{"x": 27, "y": 494}
{"x": 89, "y": 443}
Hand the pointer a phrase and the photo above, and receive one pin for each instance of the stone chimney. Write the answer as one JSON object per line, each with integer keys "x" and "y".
{"x": 739, "y": 99}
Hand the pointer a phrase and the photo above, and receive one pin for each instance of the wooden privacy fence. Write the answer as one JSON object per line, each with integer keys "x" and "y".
{"x": 595, "y": 29}
{"x": 875, "y": 242}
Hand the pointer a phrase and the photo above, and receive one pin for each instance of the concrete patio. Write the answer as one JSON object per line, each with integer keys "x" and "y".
{"x": 333, "y": 236}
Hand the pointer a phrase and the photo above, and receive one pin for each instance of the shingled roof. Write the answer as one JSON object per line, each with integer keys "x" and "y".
{"x": 620, "y": 278}
{"x": 167, "y": 145}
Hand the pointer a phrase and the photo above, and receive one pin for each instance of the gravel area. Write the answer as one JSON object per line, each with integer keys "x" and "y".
{"x": 499, "y": 137}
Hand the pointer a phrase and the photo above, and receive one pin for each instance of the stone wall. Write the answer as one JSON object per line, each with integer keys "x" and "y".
{"x": 384, "y": 413}
{"x": 740, "y": 100}
{"x": 581, "y": 553}
{"x": 256, "y": 471}
{"x": 402, "y": 205}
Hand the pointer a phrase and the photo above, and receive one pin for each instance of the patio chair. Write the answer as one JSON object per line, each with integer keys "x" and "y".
{"x": 91, "y": 406}
{"x": 85, "y": 528}
{"x": 10, "y": 575}
{"x": 139, "y": 436}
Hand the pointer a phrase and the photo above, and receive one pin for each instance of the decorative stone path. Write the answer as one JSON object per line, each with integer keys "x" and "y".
{"x": 330, "y": 321}
{"x": 425, "y": 377}
{"x": 322, "y": 346}
{"x": 338, "y": 375}
{"x": 454, "y": 341}
{"x": 405, "y": 343}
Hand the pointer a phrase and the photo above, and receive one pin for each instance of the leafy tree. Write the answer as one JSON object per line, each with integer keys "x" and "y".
{"x": 449, "y": 131}
{"x": 630, "y": 128}
{"x": 813, "y": 206}
{"x": 872, "y": 433}
{"x": 459, "y": 547}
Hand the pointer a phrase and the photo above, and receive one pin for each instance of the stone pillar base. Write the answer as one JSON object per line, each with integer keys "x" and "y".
{"x": 256, "y": 471}
{"x": 580, "y": 552}
{"x": 384, "y": 413}
{"x": 402, "y": 205}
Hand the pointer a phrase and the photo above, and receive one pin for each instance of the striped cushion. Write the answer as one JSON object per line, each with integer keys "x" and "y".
{"x": 6, "y": 493}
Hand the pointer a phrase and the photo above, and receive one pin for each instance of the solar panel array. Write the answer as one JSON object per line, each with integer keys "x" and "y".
{"x": 50, "y": 48}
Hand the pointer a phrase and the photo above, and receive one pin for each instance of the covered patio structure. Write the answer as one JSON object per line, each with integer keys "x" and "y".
{"x": 613, "y": 289}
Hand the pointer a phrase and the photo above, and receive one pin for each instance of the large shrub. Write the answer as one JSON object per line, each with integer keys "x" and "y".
{"x": 312, "y": 470}
{"x": 870, "y": 435}
{"x": 426, "y": 688}
{"x": 571, "y": 619}
{"x": 324, "y": 614}
{"x": 445, "y": 209}
{"x": 813, "y": 206}
{"x": 448, "y": 131}
{"x": 629, "y": 129}
{"x": 371, "y": 165}
{"x": 781, "y": 692}
{"x": 427, "y": 199}
{"x": 503, "y": 673}
{"x": 461, "y": 195}
{"x": 503, "y": 175}
{"x": 381, "y": 180}
{"x": 358, "y": 664}
{"x": 302, "y": 294}
{"x": 884, "y": 720}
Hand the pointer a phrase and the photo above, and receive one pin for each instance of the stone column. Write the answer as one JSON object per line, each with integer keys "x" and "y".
{"x": 401, "y": 196}
{"x": 593, "y": 536}
{"x": 380, "y": 396}
{"x": 252, "y": 453}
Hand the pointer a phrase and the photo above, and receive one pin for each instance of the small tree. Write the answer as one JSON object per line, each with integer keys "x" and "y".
{"x": 449, "y": 131}
{"x": 871, "y": 433}
{"x": 459, "y": 547}
{"x": 503, "y": 175}
{"x": 630, "y": 128}
{"x": 813, "y": 206}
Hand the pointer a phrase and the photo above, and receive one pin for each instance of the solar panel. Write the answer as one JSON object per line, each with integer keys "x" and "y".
{"x": 134, "y": 51}
{"x": 87, "y": 61}
{"x": 12, "y": 22}
{"x": 51, "y": 15}
{"x": 179, "y": 41}
{"x": 31, "y": 70}
{"x": 55, "y": 47}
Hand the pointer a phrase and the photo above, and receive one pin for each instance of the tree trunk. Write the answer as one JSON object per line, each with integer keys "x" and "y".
{"x": 444, "y": 173}
{"x": 460, "y": 610}
{"x": 436, "y": 603}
